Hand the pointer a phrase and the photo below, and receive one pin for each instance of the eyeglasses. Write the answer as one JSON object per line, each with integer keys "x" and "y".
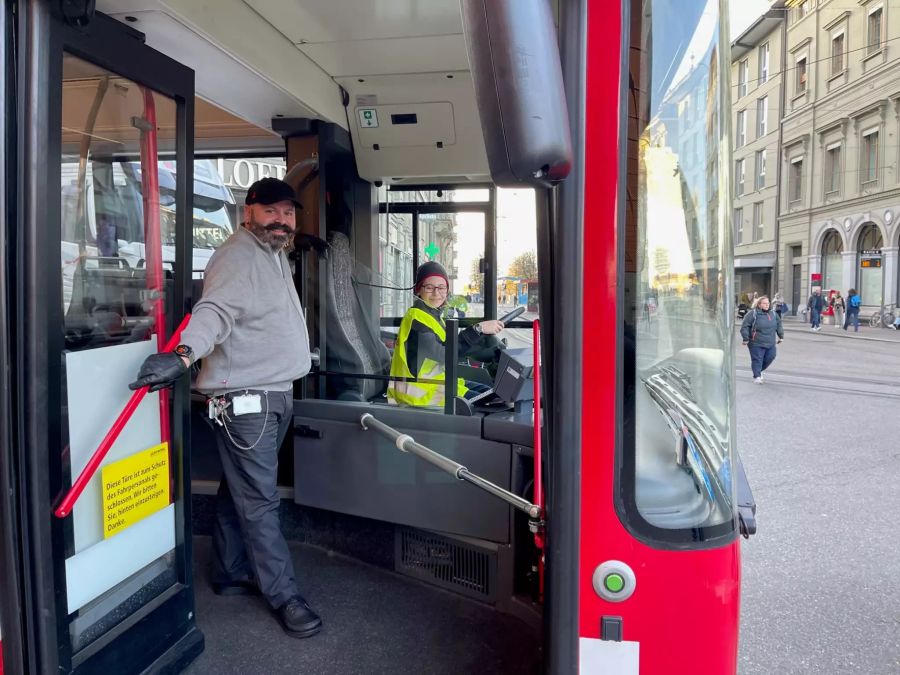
{"x": 428, "y": 288}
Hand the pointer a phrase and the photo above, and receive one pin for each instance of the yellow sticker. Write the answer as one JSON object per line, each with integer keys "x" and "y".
{"x": 134, "y": 488}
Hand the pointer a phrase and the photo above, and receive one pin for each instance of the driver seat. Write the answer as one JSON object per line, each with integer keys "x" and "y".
{"x": 352, "y": 342}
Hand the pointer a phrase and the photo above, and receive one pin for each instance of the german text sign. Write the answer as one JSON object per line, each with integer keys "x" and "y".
{"x": 134, "y": 488}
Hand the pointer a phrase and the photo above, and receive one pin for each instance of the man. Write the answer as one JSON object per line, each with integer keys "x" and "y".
{"x": 250, "y": 331}
{"x": 761, "y": 330}
{"x": 815, "y": 304}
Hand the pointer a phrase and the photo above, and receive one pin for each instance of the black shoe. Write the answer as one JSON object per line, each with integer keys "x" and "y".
{"x": 242, "y": 587}
{"x": 298, "y": 619}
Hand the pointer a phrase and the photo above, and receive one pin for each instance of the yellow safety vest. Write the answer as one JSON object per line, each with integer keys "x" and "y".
{"x": 419, "y": 393}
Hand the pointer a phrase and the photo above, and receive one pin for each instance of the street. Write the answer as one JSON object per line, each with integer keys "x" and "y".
{"x": 821, "y": 578}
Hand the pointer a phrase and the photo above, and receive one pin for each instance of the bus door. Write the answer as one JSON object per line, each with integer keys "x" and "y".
{"x": 108, "y": 549}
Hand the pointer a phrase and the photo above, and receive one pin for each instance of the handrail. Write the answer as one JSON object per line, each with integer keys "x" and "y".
{"x": 87, "y": 473}
{"x": 536, "y": 375}
{"x": 153, "y": 236}
{"x": 538, "y": 463}
{"x": 407, "y": 443}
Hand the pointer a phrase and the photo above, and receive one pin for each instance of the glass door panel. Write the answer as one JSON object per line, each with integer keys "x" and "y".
{"x": 456, "y": 241}
{"x": 118, "y": 252}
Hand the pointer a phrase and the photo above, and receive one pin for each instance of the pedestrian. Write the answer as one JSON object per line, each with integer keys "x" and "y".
{"x": 778, "y": 303}
{"x": 815, "y": 304}
{"x": 754, "y": 300}
{"x": 838, "y": 305}
{"x": 761, "y": 330}
{"x": 250, "y": 331}
{"x": 853, "y": 304}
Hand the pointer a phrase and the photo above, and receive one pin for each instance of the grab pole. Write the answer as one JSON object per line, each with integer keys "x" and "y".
{"x": 87, "y": 473}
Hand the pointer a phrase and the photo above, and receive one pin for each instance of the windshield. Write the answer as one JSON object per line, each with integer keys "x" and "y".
{"x": 678, "y": 432}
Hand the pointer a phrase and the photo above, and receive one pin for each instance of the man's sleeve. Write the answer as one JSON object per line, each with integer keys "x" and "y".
{"x": 779, "y": 326}
{"x": 226, "y": 290}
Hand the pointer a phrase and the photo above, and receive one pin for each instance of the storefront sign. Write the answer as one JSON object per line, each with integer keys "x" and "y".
{"x": 242, "y": 173}
{"x": 870, "y": 258}
{"x": 134, "y": 488}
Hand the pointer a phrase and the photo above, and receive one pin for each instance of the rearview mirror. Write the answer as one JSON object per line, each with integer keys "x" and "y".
{"x": 515, "y": 64}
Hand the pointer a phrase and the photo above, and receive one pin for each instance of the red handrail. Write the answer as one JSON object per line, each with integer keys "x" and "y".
{"x": 538, "y": 474}
{"x": 536, "y": 374}
{"x": 87, "y": 473}
{"x": 153, "y": 240}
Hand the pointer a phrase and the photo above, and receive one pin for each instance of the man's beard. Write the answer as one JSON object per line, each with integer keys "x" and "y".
{"x": 274, "y": 235}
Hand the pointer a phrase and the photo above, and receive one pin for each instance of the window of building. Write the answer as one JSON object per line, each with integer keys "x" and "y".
{"x": 874, "y": 29}
{"x": 869, "y": 252}
{"x": 833, "y": 168}
{"x": 739, "y": 177}
{"x": 741, "y": 128}
{"x": 869, "y": 156}
{"x": 763, "y": 63}
{"x": 832, "y": 260}
{"x": 837, "y": 54}
{"x": 739, "y": 226}
{"x": 743, "y": 70}
{"x": 758, "y": 221}
{"x": 801, "y": 9}
{"x": 762, "y": 110}
{"x": 795, "y": 180}
{"x": 801, "y": 71}
{"x": 760, "y": 174}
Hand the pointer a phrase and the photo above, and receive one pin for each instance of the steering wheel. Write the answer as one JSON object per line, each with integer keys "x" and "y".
{"x": 489, "y": 346}
{"x": 513, "y": 315}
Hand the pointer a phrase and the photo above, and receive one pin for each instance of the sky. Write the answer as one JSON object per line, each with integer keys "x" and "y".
{"x": 745, "y": 12}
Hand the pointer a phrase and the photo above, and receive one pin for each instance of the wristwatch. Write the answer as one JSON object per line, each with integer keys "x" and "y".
{"x": 185, "y": 351}
{"x": 477, "y": 328}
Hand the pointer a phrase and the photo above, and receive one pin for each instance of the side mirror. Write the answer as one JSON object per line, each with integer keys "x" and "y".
{"x": 515, "y": 64}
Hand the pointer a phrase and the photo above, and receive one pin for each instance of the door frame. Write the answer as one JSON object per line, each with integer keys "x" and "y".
{"x": 163, "y": 631}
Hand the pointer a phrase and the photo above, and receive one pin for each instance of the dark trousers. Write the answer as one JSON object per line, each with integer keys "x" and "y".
{"x": 247, "y": 538}
{"x": 761, "y": 358}
{"x": 852, "y": 318}
{"x": 815, "y": 317}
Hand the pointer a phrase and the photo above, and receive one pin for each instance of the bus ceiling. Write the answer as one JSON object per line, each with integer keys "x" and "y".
{"x": 400, "y": 81}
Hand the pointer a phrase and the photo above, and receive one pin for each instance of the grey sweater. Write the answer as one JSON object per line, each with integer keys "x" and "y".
{"x": 249, "y": 326}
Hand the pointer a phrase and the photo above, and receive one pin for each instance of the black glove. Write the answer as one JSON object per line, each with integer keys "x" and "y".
{"x": 160, "y": 371}
{"x": 304, "y": 242}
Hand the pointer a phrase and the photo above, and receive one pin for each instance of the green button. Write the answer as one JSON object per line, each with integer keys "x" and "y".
{"x": 614, "y": 582}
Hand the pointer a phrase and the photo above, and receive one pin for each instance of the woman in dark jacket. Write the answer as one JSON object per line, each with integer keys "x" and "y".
{"x": 761, "y": 331}
{"x": 853, "y": 303}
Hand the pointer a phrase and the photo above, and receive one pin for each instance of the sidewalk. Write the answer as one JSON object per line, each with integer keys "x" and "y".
{"x": 866, "y": 332}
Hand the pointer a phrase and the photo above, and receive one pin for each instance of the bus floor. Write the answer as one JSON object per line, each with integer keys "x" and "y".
{"x": 375, "y": 621}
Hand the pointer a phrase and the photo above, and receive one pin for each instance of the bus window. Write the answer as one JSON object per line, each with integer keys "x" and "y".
{"x": 678, "y": 438}
{"x": 395, "y": 262}
{"x": 109, "y": 573}
{"x": 412, "y": 229}
{"x": 517, "y": 267}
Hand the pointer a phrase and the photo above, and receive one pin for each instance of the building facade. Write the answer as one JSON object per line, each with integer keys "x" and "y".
{"x": 756, "y": 78}
{"x": 817, "y": 195}
{"x": 840, "y": 153}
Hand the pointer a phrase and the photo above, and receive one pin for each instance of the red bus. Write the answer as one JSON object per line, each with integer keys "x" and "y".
{"x": 584, "y": 515}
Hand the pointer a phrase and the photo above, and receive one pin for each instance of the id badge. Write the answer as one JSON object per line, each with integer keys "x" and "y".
{"x": 246, "y": 404}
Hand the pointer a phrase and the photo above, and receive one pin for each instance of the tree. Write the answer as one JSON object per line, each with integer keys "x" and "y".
{"x": 524, "y": 266}
{"x": 476, "y": 277}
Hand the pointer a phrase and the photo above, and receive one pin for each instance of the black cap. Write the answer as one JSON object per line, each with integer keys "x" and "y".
{"x": 430, "y": 269}
{"x": 271, "y": 191}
